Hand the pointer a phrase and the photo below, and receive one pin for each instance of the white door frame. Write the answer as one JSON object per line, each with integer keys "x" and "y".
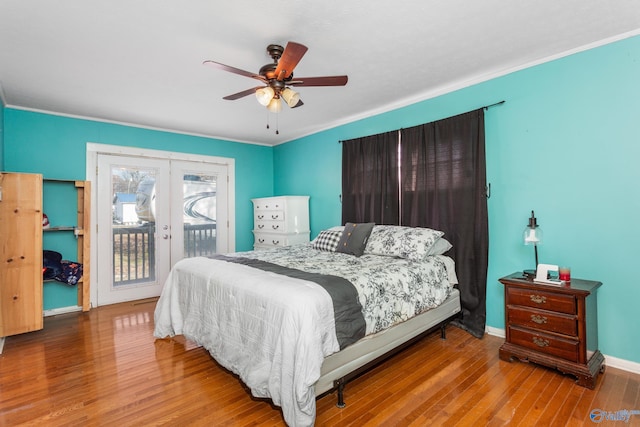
{"x": 93, "y": 149}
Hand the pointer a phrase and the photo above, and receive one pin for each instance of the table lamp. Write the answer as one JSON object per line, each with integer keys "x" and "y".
{"x": 532, "y": 236}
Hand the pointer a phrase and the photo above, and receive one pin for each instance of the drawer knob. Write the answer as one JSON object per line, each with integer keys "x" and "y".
{"x": 261, "y": 240}
{"x": 275, "y": 227}
{"x": 275, "y": 242}
{"x": 538, "y": 299}
{"x": 260, "y": 225}
{"x": 260, "y": 216}
{"x": 540, "y": 342}
{"x": 275, "y": 216}
{"x": 540, "y": 320}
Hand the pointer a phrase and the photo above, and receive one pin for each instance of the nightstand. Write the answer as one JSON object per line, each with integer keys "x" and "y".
{"x": 553, "y": 325}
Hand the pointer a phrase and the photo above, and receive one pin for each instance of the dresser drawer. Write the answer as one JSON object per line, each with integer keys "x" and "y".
{"x": 543, "y": 320}
{"x": 560, "y": 303}
{"x": 566, "y": 349}
{"x": 271, "y": 226}
{"x": 270, "y": 240}
{"x": 269, "y": 204}
{"x": 269, "y": 216}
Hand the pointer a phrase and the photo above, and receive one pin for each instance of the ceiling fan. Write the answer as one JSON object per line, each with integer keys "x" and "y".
{"x": 278, "y": 79}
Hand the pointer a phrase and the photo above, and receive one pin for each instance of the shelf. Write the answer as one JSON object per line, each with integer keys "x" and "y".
{"x": 60, "y": 228}
{"x": 81, "y": 230}
{"x": 62, "y": 283}
{"x": 77, "y": 231}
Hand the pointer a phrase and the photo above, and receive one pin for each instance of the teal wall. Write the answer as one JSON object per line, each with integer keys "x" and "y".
{"x": 565, "y": 143}
{"x": 55, "y": 146}
{"x": 1, "y": 134}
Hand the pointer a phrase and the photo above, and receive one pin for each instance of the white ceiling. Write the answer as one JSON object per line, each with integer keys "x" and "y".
{"x": 140, "y": 61}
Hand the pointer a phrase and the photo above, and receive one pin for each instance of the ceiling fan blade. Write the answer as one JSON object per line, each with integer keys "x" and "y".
{"x": 319, "y": 81}
{"x": 292, "y": 54}
{"x": 242, "y": 94}
{"x": 234, "y": 70}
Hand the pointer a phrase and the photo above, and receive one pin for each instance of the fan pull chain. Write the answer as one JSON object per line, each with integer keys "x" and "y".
{"x": 277, "y": 131}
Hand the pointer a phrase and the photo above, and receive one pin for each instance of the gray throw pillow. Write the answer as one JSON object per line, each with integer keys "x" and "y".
{"x": 354, "y": 238}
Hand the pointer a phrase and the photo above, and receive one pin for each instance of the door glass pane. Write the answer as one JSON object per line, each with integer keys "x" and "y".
{"x": 133, "y": 213}
{"x": 199, "y": 214}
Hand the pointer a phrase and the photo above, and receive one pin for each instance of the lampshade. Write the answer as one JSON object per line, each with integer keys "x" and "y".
{"x": 532, "y": 234}
{"x": 275, "y": 106}
{"x": 265, "y": 95}
{"x": 291, "y": 97}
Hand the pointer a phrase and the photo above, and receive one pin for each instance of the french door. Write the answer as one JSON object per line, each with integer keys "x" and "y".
{"x": 150, "y": 214}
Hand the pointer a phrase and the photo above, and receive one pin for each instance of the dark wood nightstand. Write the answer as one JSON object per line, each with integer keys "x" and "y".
{"x": 553, "y": 325}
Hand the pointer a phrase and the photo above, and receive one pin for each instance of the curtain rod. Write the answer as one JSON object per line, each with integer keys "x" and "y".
{"x": 486, "y": 107}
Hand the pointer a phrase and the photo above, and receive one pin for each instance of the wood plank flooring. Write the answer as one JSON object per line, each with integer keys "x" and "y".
{"x": 104, "y": 368}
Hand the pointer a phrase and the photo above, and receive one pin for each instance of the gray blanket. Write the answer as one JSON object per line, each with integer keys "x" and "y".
{"x": 350, "y": 324}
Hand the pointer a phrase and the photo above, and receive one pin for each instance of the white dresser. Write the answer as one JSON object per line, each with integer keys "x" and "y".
{"x": 280, "y": 221}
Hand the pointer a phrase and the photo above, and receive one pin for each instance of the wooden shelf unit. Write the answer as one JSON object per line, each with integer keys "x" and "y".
{"x": 82, "y": 234}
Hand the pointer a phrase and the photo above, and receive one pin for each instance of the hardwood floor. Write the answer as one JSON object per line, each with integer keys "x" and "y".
{"x": 105, "y": 368}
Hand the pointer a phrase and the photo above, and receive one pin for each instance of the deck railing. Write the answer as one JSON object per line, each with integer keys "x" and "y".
{"x": 134, "y": 250}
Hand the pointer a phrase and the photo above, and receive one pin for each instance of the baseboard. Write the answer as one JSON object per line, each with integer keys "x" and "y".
{"x": 495, "y": 331}
{"x": 61, "y": 310}
{"x": 614, "y": 362}
{"x": 625, "y": 365}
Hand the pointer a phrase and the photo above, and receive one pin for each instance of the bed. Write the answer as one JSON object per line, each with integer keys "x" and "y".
{"x": 295, "y": 322}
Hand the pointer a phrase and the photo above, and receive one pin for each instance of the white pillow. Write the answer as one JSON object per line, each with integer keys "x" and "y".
{"x": 441, "y": 246}
{"x": 412, "y": 243}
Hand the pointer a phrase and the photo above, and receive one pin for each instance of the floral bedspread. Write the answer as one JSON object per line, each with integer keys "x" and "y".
{"x": 391, "y": 290}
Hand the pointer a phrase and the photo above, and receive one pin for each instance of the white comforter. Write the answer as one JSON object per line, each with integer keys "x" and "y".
{"x": 274, "y": 332}
{"x": 269, "y": 329}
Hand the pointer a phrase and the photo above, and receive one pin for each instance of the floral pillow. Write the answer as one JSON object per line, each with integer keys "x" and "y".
{"x": 412, "y": 243}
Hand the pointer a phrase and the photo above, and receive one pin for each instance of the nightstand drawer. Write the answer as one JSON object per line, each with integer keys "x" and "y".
{"x": 564, "y": 348}
{"x": 540, "y": 299}
{"x": 543, "y": 320}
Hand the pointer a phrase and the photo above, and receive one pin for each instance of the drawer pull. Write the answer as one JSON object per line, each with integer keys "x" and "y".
{"x": 538, "y": 299}
{"x": 276, "y": 216}
{"x": 260, "y": 216}
{"x": 540, "y": 320}
{"x": 261, "y": 240}
{"x": 540, "y": 342}
{"x": 275, "y": 227}
{"x": 275, "y": 242}
{"x": 260, "y": 225}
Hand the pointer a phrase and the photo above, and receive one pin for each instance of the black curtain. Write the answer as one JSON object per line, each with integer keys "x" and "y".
{"x": 444, "y": 188}
{"x": 370, "y": 182}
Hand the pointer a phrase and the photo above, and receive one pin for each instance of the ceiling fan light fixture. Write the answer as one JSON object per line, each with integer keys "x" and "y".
{"x": 275, "y": 106}
{"x": 265, "y": 95}
{"x": 291, "y": 97}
